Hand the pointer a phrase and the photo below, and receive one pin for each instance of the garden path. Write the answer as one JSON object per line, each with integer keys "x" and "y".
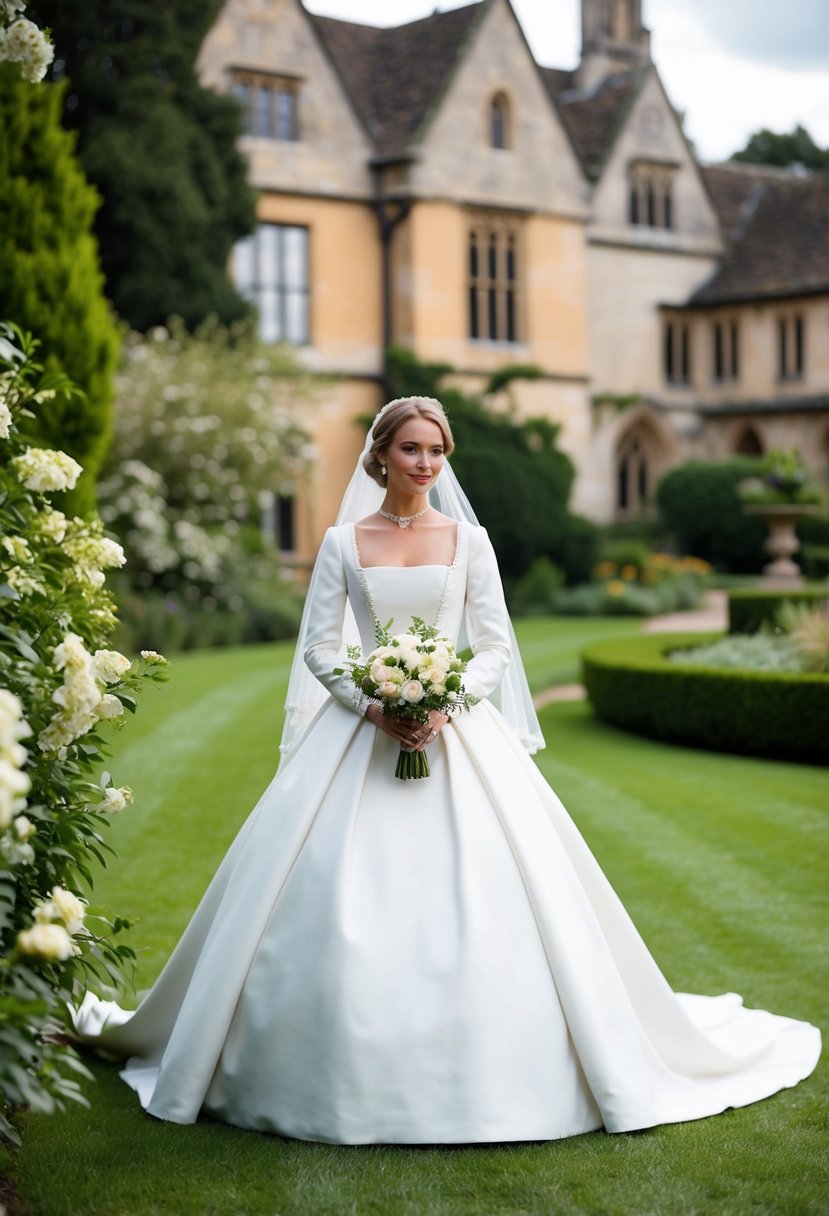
{"x": 712, "y": 615}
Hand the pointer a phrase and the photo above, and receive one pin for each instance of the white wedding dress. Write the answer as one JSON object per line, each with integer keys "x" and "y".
{"x": 431, "y": 961}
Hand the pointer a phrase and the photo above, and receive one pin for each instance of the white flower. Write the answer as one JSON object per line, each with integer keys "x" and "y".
{"x": 111, "y": 553}
{"x": 14, "y": 785}
{"x": 24, "y": 43}
{"x": 23, "y": 582}
{"x": 388, "y": 689}
{"x": 152, "y": 656}
{"x": 17, "y": 548}
{"x": 63, "y": 906}
{"x": 45, "y": 469}
{"x": 115, "y": 799}
{"x": 77, "y": 696}
{"x": 109, "y": 706}
{"x": 24, "y": 828}
{"x": 16, "y": 852}
{"x": 12, "y": 725}
{"x": 49, "y": 942}
{"x": 435, "y": 676}
{"x": 110, "y": 665}
{"x": 5, "y": 420}
{"x": 50, "y": 524}
{"x": 412, "y": 691}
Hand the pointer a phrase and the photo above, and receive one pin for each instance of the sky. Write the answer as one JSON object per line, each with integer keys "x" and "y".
{"x": 733, "y": 66}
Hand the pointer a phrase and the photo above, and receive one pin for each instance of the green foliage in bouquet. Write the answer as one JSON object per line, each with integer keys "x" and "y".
{"x": 62, "y": 691}
{"x": 408, "y": 675}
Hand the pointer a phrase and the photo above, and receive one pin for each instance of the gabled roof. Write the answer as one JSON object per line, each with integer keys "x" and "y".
{"x": 594, "y": 119}
{"x": 395, "y": 76}
{"x": 736, "y": 188}
{"x": 779, "y": 226}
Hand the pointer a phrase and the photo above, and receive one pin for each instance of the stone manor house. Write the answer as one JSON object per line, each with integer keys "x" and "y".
{"x": 432, "y": 186}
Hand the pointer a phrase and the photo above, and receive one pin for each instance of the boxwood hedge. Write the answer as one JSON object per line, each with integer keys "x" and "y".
{"x": 631, "y": 683}
{"x": 748, "y": 610}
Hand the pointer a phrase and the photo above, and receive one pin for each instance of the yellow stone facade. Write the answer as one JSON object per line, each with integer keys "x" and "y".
{"x": 591, "y": 293}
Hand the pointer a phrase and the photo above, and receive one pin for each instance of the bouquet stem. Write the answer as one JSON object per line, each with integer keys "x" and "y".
{"x": 411, "y": 765}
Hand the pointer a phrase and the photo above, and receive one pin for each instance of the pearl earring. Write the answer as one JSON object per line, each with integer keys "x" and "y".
{"x": 383, "y": 469}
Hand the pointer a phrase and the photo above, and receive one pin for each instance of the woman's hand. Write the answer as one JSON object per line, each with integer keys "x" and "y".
{"x": 408, "y": 733}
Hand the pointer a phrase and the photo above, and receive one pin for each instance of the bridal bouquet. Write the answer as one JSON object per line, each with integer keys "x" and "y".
{"x": 410, "y": 674}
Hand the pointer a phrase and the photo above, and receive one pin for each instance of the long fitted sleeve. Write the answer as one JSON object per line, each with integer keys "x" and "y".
{"x": 486, "y": 618}
{"x": 325, "y": 631}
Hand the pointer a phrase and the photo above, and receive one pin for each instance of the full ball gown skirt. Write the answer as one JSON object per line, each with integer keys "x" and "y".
{"x": 432, "y": 961}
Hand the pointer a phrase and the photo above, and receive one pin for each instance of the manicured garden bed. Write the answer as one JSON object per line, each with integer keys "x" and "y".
{"x": 631, "y": 683}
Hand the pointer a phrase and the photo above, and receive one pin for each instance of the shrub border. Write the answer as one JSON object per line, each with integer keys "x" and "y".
{"x": 632, "y": 684}
{"x": 749, "y": 609}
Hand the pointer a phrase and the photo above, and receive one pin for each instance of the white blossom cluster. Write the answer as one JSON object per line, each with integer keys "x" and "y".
{"x": 91, "y": 551}
{"x": 81, "y": 697}
{"x": 15, "y": 827}
{"x": 56, "y": 920}
{"x": 23, "y": 42}
{"x": 46, "y": 469}
{"x": 412, "y": 669}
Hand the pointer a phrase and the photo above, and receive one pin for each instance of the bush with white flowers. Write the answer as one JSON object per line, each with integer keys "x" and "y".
{"x": 22, "y": 42}
{"x": 63, "y": 691}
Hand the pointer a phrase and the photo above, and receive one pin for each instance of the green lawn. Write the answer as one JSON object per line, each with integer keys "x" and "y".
{"x": 721, "y": 860}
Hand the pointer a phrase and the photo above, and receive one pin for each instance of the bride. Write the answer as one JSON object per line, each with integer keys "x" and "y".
{"x": 425, "y": 961}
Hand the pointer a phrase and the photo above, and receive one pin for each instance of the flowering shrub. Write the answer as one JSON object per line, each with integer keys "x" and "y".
{"x": 205, "y": 425}
{"x": 62, "y": 691}
{"x": 638, "y": 584}
{"x": 21, "y": 41}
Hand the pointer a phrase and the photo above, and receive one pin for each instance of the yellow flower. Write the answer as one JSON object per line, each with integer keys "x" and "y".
{"x": 605, "y": 570}
{"x": 615, "y": 588}
{"x": 629, "y": 572}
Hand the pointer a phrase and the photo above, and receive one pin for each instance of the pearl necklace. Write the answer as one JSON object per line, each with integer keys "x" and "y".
{"x": 402, "y": 521}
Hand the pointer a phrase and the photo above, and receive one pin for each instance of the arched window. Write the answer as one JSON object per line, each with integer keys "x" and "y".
{"x": 639, "y": 465}
{"x": 499, "y": 121}
{"x": 749, "y": 443}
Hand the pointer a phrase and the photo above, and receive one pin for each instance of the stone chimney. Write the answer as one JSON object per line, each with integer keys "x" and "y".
{"x": 613, "y": 39}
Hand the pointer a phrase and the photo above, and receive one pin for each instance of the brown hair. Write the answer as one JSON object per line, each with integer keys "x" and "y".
{"x": 391, "y": 418}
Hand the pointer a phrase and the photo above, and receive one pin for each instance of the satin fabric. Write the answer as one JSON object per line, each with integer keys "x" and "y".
{"x": 433, "y": 961}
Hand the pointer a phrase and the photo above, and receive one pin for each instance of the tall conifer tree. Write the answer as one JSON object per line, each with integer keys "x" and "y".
{"x": 160, "y": 149}
{"x": 50, "y": 277}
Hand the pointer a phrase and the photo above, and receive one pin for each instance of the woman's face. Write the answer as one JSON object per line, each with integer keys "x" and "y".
{"x": 414, "y": 456}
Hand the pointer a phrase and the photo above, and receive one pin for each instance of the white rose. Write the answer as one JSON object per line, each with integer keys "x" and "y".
{"x": 110, "y": 665}
{"x": 434, "y": 676}
{"x": 389, "y": 689}
{"x": 69, "y": 908}
{"x": 49, "y": 942}
{"x": 412, "y": 691}
{"x": 45, "y": 469}
{"x": 380, "y": 672}
{"x": 109, "y": 706}
{"x": 115, "y": 799}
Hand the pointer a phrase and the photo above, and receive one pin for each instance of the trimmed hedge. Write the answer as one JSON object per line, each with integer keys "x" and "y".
{"x": 749, "y": 610}
{"x": 632, "y": 684}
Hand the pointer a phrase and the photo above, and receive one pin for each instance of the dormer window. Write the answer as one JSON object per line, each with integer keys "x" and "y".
{"x": 650, "y": 195}
{"x": 499, "y": 121}
{"x": 270, "y": 104}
